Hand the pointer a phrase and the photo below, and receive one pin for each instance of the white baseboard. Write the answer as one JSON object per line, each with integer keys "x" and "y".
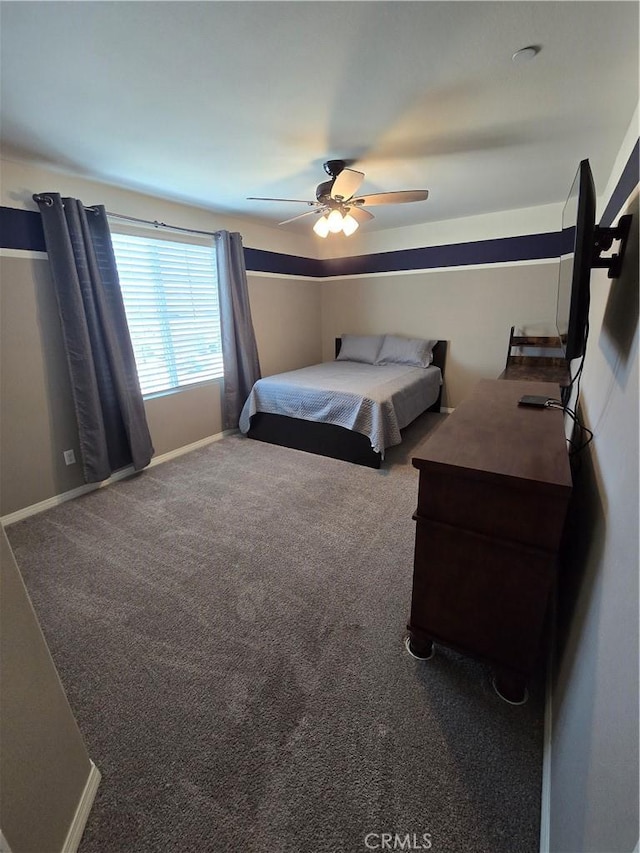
{"x": 545, "y": 794}
{"x": 188, "y": 448}
{"x": 49, "y": 503}
{"x": 72, "y": 841}
{"x": 446, "y": 410}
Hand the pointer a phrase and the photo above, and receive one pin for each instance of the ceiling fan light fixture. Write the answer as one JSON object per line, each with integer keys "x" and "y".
{"x": 334, "y": 221}
{"x": 321, "y": 227}
{"x": 349, "y": 225}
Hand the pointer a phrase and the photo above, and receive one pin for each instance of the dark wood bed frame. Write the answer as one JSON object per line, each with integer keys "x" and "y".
{"x": 328, "y": 439}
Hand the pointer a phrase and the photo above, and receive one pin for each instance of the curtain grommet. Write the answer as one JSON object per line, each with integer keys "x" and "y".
{"x": 43, "y": 199}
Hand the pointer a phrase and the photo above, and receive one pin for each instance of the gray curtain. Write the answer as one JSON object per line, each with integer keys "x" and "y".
{"x": 239, "y": 350}
{"x": 106, "y": 392}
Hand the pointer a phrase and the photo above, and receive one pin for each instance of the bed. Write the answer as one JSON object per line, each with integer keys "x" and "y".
{"x": 348, "y": 410}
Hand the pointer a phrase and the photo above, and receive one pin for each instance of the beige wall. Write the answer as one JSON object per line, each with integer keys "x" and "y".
{"x": 286, "y": 318}
{"x": 183, "y": 417}
{"x": 473, "y": 309}
{"x": 45, "y": 765}
{"x": 37, "y": 420}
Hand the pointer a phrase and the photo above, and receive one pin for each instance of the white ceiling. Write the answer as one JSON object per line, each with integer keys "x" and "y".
{"x": 211, "y": 102}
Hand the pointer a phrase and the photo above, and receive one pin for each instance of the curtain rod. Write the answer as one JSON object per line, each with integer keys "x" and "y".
{"x": 157, "y": 224}
{"x": 45, "y": 199}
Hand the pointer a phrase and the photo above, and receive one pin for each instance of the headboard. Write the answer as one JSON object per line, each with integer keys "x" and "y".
{"x": 440, "y": 354}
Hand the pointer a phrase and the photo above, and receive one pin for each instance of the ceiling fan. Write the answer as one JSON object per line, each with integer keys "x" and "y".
{"x": 336, "y": 200}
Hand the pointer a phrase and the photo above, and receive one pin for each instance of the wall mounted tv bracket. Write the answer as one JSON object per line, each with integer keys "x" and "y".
{"x": 602, "y": 240}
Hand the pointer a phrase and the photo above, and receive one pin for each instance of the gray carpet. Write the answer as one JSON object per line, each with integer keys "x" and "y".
{"x": 229, "y": 629}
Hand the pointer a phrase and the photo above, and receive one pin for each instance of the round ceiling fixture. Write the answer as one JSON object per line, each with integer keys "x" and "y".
{"x": 525, "y": 54}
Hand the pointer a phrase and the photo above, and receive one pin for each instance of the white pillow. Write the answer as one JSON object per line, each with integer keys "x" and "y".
{"x": 412, "y": 351}
{"x": 363, "y": 348}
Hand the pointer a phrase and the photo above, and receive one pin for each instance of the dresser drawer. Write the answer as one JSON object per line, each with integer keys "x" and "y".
{"x": 480, "y": 595}
{"x": 518, "y": 511}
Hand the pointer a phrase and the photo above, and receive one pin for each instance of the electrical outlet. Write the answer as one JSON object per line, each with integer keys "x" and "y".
{"x": 69, "y": 457}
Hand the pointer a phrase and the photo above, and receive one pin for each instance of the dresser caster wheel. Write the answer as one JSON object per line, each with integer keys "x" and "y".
{"x": 420, "y": 651}
{"x": 510, "y": 688}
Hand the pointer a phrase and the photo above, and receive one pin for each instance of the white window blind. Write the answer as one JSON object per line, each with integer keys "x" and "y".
{"x": 170, "y": 293}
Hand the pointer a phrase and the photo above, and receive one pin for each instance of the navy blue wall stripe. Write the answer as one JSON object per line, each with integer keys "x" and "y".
{"x": 629, "y": 179}
{"x": 503, "y": 250}
{"x": 21, "y": 229}
{"x": 259, "y": 260}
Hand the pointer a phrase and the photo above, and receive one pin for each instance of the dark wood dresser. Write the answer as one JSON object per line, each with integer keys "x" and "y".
{"x": 493, "y": 493}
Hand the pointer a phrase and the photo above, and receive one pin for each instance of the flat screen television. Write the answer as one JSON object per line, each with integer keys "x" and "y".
{"x": 576, "y": 260}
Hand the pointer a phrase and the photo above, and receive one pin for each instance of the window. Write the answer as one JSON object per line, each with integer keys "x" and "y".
{"x": 170, "y": 293}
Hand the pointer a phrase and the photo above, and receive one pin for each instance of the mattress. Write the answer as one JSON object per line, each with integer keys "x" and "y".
{"x": 375, "y": 400}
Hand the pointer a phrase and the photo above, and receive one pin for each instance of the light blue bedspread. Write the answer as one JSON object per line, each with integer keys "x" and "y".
{"x": 376, "y": 400}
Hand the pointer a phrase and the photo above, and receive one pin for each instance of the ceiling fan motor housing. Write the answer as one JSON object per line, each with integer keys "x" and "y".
{"x": 334, "y": 167}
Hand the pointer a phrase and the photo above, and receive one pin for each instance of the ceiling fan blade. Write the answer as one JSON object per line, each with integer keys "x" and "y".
{"x": 295, "y": 200}
{"x": 346, "y": 184}
{"x": 299, "y": 216}
{"x": 360, "y": 214}
{"x": 391, "y": 198}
